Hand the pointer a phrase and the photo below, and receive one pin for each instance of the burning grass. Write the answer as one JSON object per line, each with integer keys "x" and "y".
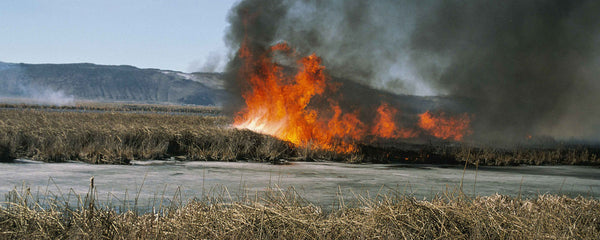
{"x": 117, "y": 137}
{"x": 283, "y": 214}
{"x": 307, "y": 107}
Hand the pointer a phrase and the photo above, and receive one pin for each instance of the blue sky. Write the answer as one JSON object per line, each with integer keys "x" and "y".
{"x": 176, "y": 34}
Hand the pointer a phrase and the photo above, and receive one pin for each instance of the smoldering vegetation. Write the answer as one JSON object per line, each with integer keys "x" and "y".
{"x": 113, "y": 135}
{"x": 521, "y": 68}
{"x": 284, "y": 214}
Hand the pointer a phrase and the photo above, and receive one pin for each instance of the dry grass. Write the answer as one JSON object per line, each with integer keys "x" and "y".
{"x": 485, "y": 155}
{"x": 117, "y": 137}
{"x": 284, "y": 215}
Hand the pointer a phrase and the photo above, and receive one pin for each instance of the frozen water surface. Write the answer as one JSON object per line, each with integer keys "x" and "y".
{"x": 318, "y": 182}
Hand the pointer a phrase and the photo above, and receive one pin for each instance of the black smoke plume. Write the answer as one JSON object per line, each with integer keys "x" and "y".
{"x": 520, "y": 67}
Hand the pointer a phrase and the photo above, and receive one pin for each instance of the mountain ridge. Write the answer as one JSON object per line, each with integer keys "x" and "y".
{"x": 88, "y": 81}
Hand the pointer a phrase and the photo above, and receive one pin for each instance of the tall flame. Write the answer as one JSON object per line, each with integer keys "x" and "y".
{"x": 277, "y": 104}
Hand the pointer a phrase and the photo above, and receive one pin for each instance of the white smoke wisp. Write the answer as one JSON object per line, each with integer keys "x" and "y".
{"x": 47, "y": 96}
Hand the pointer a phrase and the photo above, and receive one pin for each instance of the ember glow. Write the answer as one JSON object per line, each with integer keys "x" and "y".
{"x": 279, "y": 104}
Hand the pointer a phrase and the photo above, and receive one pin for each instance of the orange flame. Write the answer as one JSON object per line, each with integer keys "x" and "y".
{"x": 278, "y": 104}
{"x": 385, "y": 126}
{"x": 445, "y": 127}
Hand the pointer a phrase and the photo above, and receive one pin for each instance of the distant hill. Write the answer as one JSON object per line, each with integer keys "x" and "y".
{"x": 84, "y": 81}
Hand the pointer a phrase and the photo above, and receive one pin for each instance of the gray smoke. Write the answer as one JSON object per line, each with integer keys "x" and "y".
{"x": 522, "y": 67}
{"x": 361, "y": 41}
{"x": 212, "y": 63}
{"x": 530, "y": 67}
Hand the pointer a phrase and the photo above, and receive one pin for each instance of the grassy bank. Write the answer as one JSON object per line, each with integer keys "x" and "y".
{"x": 118, "y": 134}
{"x": 117, "y": 137}
{"x": 284, "y": 215}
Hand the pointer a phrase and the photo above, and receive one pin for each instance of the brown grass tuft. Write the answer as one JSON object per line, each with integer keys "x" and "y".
{"x": 284, "y": 215}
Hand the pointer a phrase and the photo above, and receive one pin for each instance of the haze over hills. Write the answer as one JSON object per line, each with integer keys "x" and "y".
{"x": 63, "y": 83}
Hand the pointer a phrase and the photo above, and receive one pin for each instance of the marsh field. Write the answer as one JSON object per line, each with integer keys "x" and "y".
{"x": 119, "y": 133}
{"x": 128, "y": 134}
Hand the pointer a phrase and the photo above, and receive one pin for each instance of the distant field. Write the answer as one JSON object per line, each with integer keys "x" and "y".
{"x": 118, "y": 107}
{"x": 119, "y": 133}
